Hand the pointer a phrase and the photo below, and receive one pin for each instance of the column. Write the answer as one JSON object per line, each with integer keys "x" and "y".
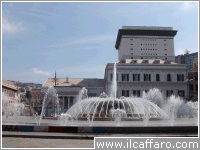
{"x": 63, "y": 103}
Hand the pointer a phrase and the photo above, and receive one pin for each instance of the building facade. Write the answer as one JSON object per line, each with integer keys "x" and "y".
{"x": 145, "y": 43}
{"x": 193, "y": 81}
{"x": 137, "y": 75}
{"x": 11, "y": 91}
{"x": 68, "y": 90}
{"x": 35, "y": 99}
{"x": 187, "y": 59}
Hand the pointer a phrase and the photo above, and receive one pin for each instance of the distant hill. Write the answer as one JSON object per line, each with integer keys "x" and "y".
{"x": 26, "y": 86}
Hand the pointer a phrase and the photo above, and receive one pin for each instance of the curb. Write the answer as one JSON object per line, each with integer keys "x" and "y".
{"x": 48, "y": 136}
{"x": 121, "y": 129}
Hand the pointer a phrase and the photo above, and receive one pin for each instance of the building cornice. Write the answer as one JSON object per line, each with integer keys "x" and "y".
{"x": 143, "y": 32}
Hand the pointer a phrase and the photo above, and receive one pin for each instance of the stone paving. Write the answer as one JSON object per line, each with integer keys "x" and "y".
{"x": 11, "y": 142}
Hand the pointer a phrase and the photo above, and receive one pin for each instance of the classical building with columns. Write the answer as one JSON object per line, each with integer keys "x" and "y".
{"x": 68, "y": 89}
{"x": 137, "y": 75}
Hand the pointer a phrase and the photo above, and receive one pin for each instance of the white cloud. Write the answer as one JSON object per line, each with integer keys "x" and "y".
{"x": 10, "y": 27}
{"x": 188, "y": 6}
{"x": 39, "y": 72}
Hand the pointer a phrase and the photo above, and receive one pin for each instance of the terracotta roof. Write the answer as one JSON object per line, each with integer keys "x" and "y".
{"x": 74, "y": 82}
{"x": 9, "y": 84}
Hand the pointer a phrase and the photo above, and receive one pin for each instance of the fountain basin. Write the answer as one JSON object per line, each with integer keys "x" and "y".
{"x": 98, "y": 129}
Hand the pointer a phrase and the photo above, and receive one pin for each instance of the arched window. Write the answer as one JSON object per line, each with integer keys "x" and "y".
{"x": 157, "y": 77}
{"x": 169, "y": 77}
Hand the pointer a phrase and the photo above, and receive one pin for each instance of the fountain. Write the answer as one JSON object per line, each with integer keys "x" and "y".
{"x": 50, "y": 100}
{"x": 11, "y": 110}
{"x": 152, "y": 110}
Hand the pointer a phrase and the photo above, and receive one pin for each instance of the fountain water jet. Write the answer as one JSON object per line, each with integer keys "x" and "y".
{"x": 50, "y": 98}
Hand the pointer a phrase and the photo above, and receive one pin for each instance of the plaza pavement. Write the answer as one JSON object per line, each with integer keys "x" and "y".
{"x": 13, "y": 139}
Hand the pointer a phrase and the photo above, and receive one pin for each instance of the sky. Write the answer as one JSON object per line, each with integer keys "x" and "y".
{"x": 77, "y": 39}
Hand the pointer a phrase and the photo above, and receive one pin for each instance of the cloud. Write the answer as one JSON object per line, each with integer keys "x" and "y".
{"x": 39, "y": 72}
{"x": 86, "y": 40}
{"x": 188, "y": 6}
{"x": 10, "y": 27}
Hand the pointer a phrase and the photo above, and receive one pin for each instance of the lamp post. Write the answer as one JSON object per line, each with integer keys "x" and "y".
{"x": 54, "y": 103}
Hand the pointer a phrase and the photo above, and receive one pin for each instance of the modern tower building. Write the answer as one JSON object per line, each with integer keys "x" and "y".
{"x": 186, "y": 59}
{"x": 135, "y": 42}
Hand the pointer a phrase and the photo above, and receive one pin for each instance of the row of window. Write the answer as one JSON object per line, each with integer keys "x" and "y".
{"x": 148, "y": 53}
{"x": 137, "y": 93}
{"x": 150, "y": 44}
{"x": 146, "y": 77}
{"x": 148, "y": 39}
{"x": 148, "y": 49}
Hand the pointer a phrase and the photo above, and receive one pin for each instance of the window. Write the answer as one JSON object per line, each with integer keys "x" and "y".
{"x": 111, "y": 77}
{"x": 131, "y": 48}
{"x": 191, "y": 87}
{"x": 157, "y": 77}
{"x": 136, "y": 93}
{"x": 165, "y": 54}
{"x": 169, "y": 77}
{"x": 125, "y": 93}
{"x": 181, "y": 93}
{"x": 136, "y": 77}
{"x": 169, "y": 92}
{"x": 165, "y": 49}
{"x": 180, "y": 77}
{"x": 125, "y": 77}
{"x": 131, "y": 57}
{"x": 131, "y": 44}
{"x": 164, "y": 40}
{"x": 165, "y": 44}
{"x": 141, "y": 57}
{"x": 131, "y": 53}
{"x": 147, "y": 77}
{"x": 131, "y": 39}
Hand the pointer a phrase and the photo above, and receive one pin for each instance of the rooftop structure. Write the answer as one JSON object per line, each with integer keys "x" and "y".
{"x": 135, "y": 42}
